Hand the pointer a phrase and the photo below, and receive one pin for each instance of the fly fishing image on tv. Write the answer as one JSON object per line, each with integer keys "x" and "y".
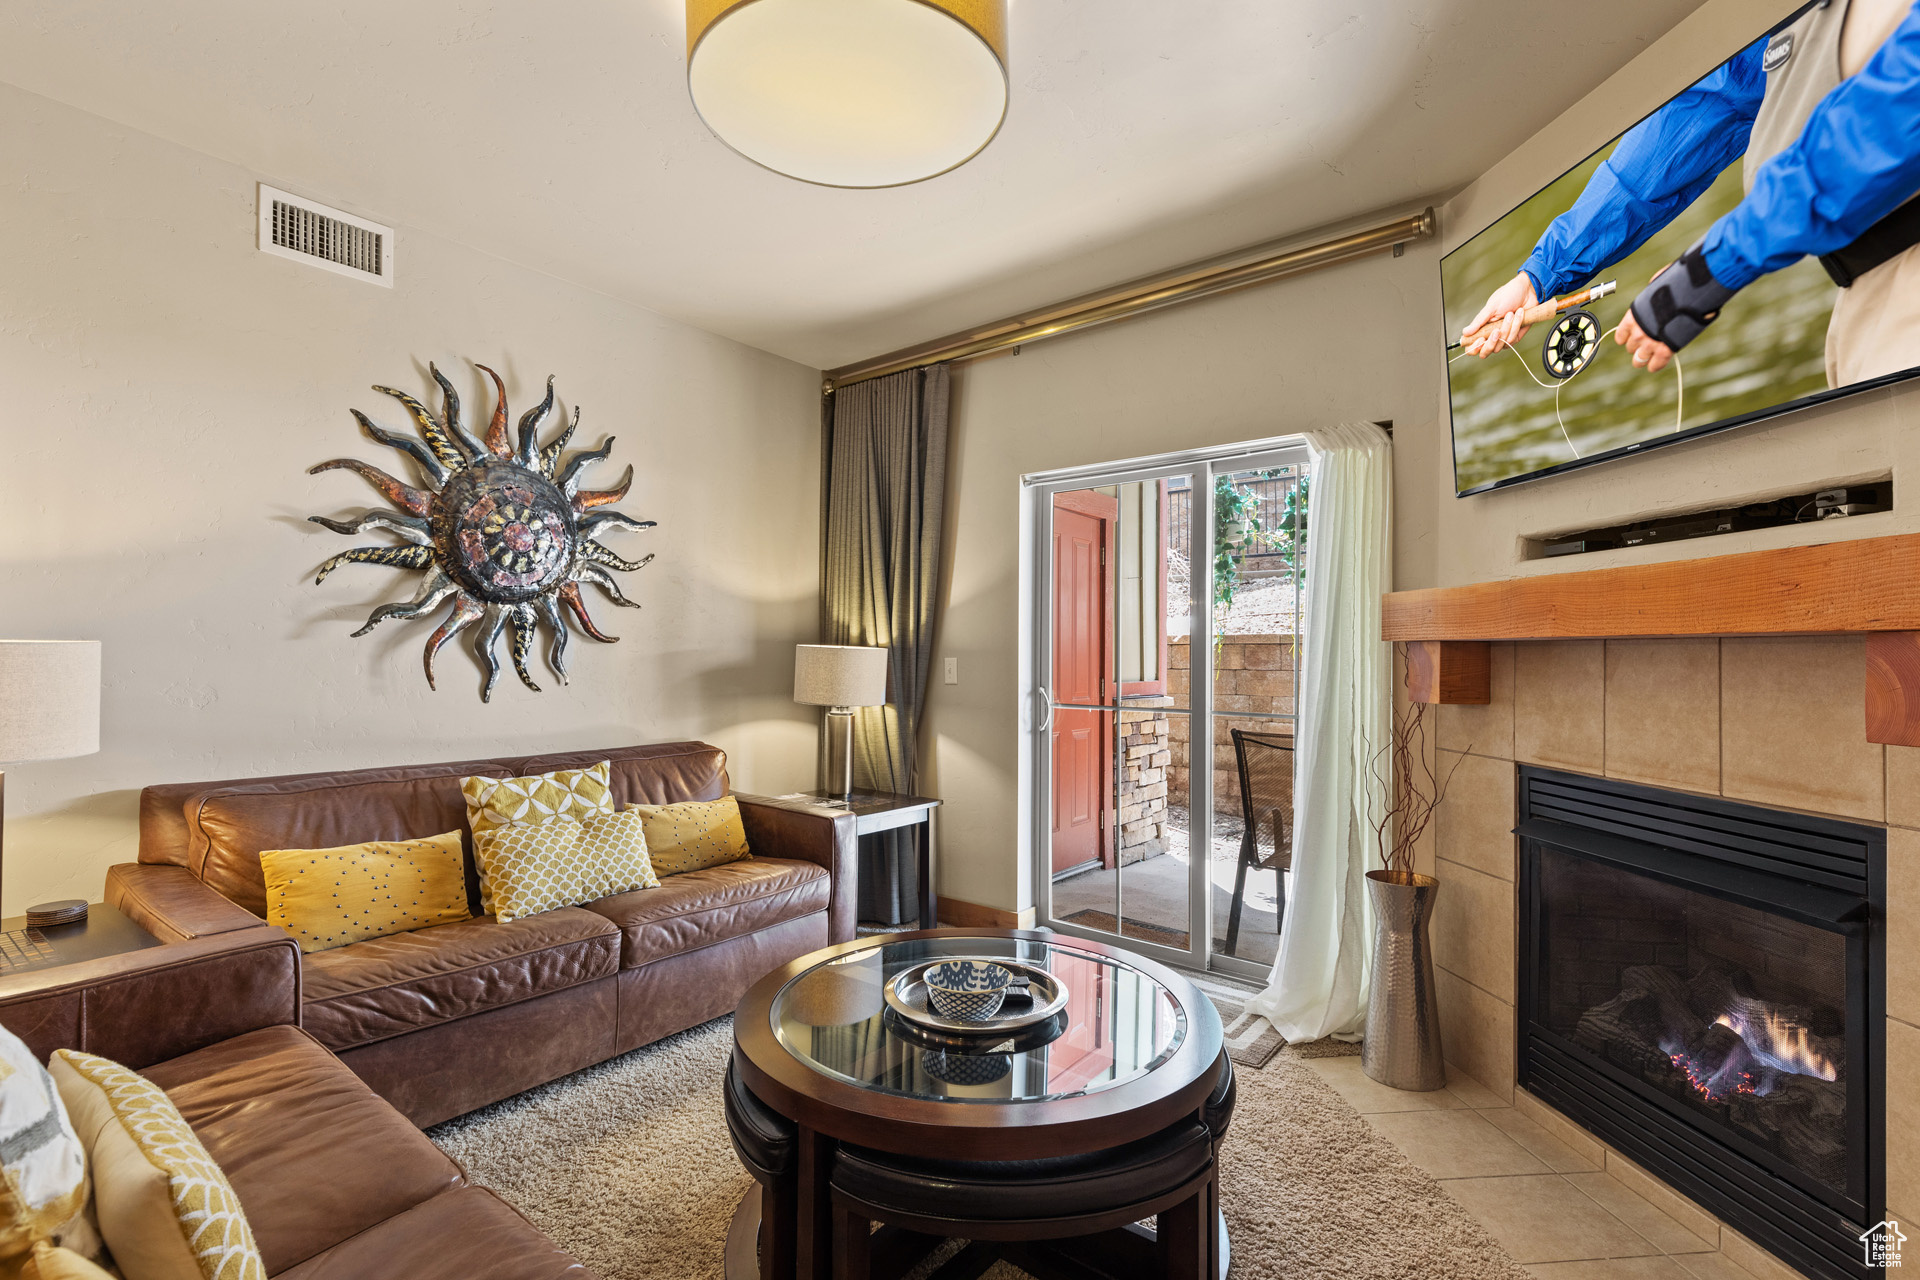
{"x": 1751, "y": 247}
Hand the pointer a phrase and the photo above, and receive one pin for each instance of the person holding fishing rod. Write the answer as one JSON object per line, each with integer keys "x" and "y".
{"x": 1826, "y": 112}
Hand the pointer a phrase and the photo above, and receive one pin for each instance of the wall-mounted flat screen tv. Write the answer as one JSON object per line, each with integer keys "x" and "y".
{"x": 1752, "y": 240}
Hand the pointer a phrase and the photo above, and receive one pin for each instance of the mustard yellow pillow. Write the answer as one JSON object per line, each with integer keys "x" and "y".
{"x": 565, "y": 862}
{"x": 537, "y": 798}
{"x": 166, "y": 1209}
{"x": 693, "y": 835}
{"x": 327, "y": 898}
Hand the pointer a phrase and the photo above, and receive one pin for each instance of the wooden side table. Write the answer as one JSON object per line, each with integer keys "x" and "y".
{"x": 105, "y": 932}
{"x": 877, "y": 811}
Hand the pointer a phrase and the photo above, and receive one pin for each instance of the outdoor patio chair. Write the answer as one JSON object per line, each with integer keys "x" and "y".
{"x": 1266, "y": 811}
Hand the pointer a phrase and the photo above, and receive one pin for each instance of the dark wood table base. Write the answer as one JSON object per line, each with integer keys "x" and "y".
{"x": 1126, "y": 1253}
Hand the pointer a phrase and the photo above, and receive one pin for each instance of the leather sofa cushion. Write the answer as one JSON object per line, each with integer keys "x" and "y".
{"x": 313, "y": 1154}
{"x": 468, "y": 1234}
{"x": 1001, "y": 1190}
{"x": 699, "y": 908}
{"x": 228, "y": 824}
{"x": 385, "y": 987}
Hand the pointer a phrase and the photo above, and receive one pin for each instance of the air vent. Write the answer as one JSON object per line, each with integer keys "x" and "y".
{"x": 331, "y": 239}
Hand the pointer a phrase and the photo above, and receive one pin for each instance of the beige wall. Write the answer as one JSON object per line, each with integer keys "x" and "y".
{"x": 1351, "y": 343}
{"x": 166, "y": 388}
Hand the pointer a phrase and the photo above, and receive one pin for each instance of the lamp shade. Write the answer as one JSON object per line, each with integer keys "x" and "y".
{"x": 850, "y": 93}
{"x": 839, "y": 675}
{"x": 49, "y": 699}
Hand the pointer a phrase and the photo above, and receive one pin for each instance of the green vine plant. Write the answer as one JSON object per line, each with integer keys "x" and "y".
{"x": 1238, "y": 531}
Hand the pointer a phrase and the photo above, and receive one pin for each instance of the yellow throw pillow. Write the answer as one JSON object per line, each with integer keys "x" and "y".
{"x": 327, "y": 898}
{"x": 166, "y": 1210}
{"x": 693, "y": 835}
{"x": 565, "y": 862}
{"x": 520, "y": 802}
{"x": 43, "y": 1163}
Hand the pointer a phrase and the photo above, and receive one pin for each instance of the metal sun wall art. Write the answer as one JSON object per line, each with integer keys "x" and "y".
{"x": 503, "y": 528}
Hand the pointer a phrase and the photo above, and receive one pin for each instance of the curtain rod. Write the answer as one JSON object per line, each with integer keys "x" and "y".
{"x": 1125, "y": 301}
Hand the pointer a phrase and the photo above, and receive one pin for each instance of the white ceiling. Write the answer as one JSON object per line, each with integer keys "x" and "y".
{"x": 1142, "y": 134}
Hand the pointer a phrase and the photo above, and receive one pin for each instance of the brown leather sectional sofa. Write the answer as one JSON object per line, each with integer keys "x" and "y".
{"x": 337, "y": 1185}
{"x": 443, "y": 1020}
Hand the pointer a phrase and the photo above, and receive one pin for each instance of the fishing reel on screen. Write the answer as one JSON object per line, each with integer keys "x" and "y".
{"x": 1574, "y": 338}
{"x": 1571, "y": 344}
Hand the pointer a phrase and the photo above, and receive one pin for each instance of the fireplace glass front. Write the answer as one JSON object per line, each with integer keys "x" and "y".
{"x": 1737, "y": 1014}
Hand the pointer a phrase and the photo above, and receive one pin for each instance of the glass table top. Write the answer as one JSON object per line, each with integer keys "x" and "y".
{"x": 1119, "y": 1024}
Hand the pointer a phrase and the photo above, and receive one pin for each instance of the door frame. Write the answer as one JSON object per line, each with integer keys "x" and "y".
{"x": 1201, "y": 466}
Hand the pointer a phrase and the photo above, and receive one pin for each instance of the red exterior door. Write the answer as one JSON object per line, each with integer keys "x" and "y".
{"x": 1083, "y": 794}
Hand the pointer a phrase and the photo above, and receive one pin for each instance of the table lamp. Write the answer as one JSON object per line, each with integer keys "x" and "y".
{"x": 49, "y": 710}
{"x": 840, "y": 677}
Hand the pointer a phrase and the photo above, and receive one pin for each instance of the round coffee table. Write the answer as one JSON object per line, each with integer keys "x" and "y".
{"x": 1140, "y": 1048}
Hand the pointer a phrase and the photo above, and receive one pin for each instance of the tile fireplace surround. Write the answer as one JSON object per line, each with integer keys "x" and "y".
{"x": 1775, "y": 721}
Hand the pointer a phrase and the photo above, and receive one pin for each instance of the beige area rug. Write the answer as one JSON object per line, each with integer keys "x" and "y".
{"x": 627, "y": 1165}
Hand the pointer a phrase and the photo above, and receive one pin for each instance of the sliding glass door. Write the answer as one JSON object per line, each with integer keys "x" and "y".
{"x": 1166, "y": 609}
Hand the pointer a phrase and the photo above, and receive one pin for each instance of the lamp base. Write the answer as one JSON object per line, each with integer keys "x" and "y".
{"x": 45, "y": 915}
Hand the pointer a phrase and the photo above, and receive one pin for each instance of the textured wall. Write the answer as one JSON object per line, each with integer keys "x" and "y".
{"x": 166, "y": 388}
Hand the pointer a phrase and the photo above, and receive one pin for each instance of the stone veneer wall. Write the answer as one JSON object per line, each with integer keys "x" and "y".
{"x": 1144, "y": 763}
{"x": 1773, "y": 721}
{"x": 1251, "y": 673}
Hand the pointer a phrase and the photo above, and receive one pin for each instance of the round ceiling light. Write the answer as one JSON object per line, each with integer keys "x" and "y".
{"x": 850, "y": 93}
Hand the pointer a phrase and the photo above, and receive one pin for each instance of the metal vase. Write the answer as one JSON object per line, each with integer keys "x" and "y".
{"x": 1402, "y": 1048}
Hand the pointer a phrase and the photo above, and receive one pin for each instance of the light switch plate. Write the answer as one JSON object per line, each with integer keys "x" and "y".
{"x": 953, "y": 671}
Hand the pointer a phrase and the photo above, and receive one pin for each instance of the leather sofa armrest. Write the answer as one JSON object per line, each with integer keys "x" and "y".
{"x": 172, "y": 904}
{"x": 810, "y": 833}
{"x": 143, "y": 1007}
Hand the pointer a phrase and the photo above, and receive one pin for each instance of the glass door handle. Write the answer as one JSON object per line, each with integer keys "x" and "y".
{"x": 1046, "y": 703}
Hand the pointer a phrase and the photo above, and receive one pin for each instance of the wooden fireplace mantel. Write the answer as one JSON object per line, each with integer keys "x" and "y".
{"x": 1863, "y": 586}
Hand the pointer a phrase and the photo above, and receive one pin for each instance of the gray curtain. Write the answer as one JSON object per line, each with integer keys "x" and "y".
{"x": 886, "y": 482}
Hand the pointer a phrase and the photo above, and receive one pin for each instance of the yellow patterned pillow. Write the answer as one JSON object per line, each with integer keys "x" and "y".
{"x": 166, "y": 1210}
{"x": 519, "y": 802}
{"x": 329, "y": 897}
{"x": 692, "y": 835}
{"x": 565, "y": 862}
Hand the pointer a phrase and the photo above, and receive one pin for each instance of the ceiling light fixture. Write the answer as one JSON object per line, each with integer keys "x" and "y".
{"x": 850, "y": 93}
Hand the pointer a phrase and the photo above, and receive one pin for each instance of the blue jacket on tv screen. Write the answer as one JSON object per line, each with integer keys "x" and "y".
{"x": 1857, "y": 160}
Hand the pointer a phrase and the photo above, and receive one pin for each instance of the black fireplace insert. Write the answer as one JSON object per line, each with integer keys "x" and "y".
{"x": 1701, "y": 985}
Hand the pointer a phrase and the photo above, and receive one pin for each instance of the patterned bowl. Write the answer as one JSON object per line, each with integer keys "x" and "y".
{"x": 966, "y": 990}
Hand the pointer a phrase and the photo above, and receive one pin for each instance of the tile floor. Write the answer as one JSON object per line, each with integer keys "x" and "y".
{"x": 1556, "y": 1209}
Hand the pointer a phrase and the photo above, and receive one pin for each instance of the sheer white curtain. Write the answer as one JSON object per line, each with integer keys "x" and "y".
{"x": 1319, "y": 982}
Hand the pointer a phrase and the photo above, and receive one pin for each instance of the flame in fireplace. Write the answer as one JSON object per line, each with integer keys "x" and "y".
{"x": 1770, "y": 1047}
{"x": 1775, "y": 1042}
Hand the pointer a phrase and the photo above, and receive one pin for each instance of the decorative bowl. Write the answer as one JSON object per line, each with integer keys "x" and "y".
{"x": 966, "y": 990}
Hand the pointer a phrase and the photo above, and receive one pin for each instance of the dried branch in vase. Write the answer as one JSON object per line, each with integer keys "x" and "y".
{"x": 1405, "y": 768}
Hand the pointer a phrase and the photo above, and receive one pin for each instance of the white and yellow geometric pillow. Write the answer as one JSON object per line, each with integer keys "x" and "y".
{"x": 541, "y": 797}
{"x": 43, "y": 1164}
{"x": 565, "y": 862}
{"x": 165, "y": 1208}
{"x": 693, "y": 835}
{"x": 327, "y": 898}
